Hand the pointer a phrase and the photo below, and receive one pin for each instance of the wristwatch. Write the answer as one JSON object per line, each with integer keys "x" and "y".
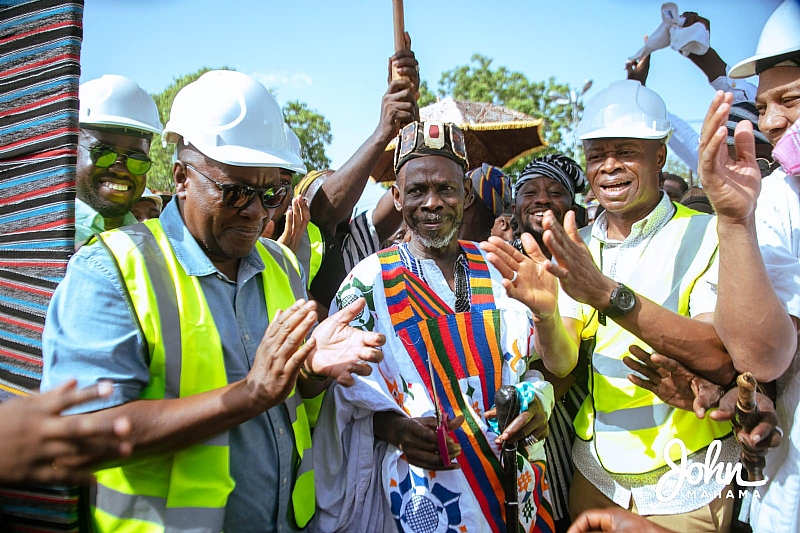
{"x": 622, "y": 302}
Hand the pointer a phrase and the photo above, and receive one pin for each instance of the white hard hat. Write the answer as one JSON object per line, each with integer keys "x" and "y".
{"x": 117, "y": 101}
{"x": 231, "y": 118}
{"x": 294, "y": 146}
{"x": 150, "y": 195}
{"x": 781, "y": 35}
{"x": 625, "y": 109}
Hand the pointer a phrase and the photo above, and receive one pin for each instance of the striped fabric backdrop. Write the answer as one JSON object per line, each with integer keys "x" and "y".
{"x": 39, "y": 70}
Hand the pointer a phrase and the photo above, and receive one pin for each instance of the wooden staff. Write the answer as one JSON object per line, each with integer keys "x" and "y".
{"x": 507, "y": 402}
{"x": 747, "y": 416}
{"x": 399, "y": 34}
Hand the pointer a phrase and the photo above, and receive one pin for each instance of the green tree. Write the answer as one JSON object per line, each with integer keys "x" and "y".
{"x": 676, "y": 166}
{"x": 480, "y": 82}
{"x": 314, "y": 132}
{"x": 426, "y": 96}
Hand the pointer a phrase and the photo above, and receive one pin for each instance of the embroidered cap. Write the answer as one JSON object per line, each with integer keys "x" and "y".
{"x": 433, "y": 137}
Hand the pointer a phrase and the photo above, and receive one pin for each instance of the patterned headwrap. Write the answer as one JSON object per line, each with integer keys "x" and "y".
{"x": 558, "y": 167}
{"x": 789, "y": 59}
{"x": 493, "y": 187}
{"x": 433, "y": 137}
{"x": 745, "y": 111}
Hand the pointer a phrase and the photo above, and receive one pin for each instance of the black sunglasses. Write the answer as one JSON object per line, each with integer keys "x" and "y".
{"x": 237, "y": 196}
{"x": 104, "y": 156}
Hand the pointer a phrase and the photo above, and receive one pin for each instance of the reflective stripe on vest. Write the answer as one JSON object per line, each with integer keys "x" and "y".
{"x": 303, "y": 412}
{"x": 186, "y": 491}
{"x": 311, "y": 251}
{"x": 630, "y": 426}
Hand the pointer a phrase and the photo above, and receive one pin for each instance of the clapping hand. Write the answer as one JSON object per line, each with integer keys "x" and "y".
{"x": 297, "y": 218}
{"x": 525, "y": 278}
{"x": 341, "y": 350}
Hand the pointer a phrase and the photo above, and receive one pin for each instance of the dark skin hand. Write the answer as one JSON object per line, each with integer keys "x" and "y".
{"x": 584, "y": 282}
{"x": 534, "y": 285}
{"x": 537, "y": 288}
{"x": 613, "y": 520}
{"x": 733, "y": 185}
{"x": 678, "y": 386}
{"x": 169, "y": 425}
{"x": 576, "y": 270}
{"x": 40, "y": 445}
{"x": 532, "y": 422}
{"x": 297, "y": 218}
{"x": 333, "y": 336}
{"x": 710, "y": 63}
{"x": 334, "y": 202}
{"x": 672, "y": 382}
{"x": 416, "y": 437}
{"x": 406, "y": 65}
{"x": 638, "y": 70}
{"x": 764, "y": 435}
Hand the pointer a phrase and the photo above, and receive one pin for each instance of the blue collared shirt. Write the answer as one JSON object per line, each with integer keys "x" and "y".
{"x": 89, "y": 222}
{"x": 91, "y": 334}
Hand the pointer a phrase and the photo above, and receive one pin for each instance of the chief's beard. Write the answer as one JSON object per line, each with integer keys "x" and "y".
{"x": 438, "y": 242}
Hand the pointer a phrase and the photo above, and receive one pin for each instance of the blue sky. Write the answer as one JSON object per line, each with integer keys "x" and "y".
{"x": 333, "y": 55}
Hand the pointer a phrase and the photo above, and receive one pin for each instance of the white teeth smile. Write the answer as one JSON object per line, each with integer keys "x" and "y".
{"x": 616, "y": 186}
{"x": 115, "y": 186}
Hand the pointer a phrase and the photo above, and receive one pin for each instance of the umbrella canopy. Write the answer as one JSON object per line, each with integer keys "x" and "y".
{"x": 494, "y": 134}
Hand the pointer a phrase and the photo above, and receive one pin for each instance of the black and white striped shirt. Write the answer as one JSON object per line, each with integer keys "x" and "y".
{"x": 361, "y": 240}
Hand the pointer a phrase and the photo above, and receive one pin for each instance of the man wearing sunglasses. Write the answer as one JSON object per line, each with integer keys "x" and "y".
{"x": 204, "y": 332}
{"x": 117, "y": 122}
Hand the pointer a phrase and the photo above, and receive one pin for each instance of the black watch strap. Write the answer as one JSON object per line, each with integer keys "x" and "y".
{"x": 621, "y": 302}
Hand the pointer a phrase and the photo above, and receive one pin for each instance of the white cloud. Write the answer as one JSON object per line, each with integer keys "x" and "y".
{"x": 278, "y": 79}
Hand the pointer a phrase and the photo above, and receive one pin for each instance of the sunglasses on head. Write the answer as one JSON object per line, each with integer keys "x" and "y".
{"x": 237, "y": 196}
{"x": 104, "y": 156}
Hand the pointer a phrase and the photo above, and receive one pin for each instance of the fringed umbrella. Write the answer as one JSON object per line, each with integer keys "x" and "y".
{"x": 494, "y": 134}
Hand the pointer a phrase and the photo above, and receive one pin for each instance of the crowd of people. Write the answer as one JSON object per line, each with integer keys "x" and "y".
{"x": 248, "y": 356}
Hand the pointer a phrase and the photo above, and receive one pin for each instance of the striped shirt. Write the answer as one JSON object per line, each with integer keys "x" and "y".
{"x": 361, "y": 240}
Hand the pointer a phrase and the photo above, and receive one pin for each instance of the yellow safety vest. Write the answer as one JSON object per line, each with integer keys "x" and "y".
{"x": 629, "y": 426}
{"x": 311, "y": 251}
{"x": 188, "y": 490}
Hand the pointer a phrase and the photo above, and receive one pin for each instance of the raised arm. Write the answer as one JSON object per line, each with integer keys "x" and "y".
{"x": 693, "y": 342}
{"x": 750, "y": 318}
{"x": 333, "y": 204}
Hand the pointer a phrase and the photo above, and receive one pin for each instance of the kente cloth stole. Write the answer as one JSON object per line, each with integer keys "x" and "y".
{"x": 461, "y": 345}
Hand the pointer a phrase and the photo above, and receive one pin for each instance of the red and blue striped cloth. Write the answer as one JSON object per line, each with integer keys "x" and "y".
{"x": 39, "y": 69}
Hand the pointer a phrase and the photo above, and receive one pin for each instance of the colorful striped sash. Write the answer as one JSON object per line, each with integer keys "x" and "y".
{"x": 461, "y": 345}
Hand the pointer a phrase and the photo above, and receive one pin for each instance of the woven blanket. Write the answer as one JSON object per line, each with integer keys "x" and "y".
{"x": 39, "y": 70}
